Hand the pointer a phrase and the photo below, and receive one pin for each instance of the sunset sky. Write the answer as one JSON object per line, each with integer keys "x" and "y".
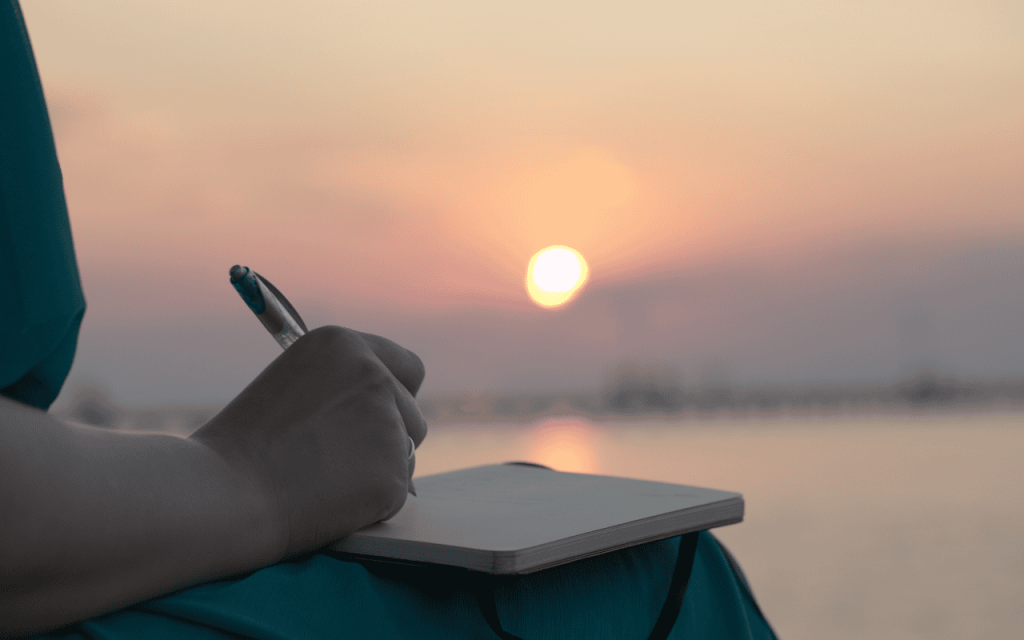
{"x": 765, "y": 193}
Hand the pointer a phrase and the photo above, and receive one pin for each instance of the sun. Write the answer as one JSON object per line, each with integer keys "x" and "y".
{"x": 555, "y": 275}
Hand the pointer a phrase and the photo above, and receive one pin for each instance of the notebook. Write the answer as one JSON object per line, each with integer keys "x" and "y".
{"x": 513, "y": 518}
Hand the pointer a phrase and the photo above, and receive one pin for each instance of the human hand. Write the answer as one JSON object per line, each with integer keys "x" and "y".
{"x": 323, "y": 434}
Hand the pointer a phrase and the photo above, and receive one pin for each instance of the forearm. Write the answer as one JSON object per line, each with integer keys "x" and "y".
{"x": 93, "y": 520}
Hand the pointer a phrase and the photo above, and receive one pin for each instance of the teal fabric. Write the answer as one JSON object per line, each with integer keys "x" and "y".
{"x": 41, "y": 301}
{"x": 616, "y": 596}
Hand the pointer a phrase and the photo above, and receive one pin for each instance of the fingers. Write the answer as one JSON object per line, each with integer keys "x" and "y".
{"x": 408, "y": 370}
{"x": 405, "y": 365}
{"x": 412, "y": 465}
{"x": 415, "y": 425}
{"x": 412, "y": 455}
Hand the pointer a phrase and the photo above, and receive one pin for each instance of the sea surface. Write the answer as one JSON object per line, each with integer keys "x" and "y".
{"x": 870, "y": 526}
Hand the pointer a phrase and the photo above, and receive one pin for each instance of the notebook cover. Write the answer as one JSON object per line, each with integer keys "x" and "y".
{"x": 506, "y": 519}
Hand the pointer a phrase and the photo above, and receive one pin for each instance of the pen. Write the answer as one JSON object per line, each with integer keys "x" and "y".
{"x": 275, "y": 312}
{"x": 270, "y": 306}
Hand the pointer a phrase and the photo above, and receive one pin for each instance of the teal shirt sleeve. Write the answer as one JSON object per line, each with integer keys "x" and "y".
{"x": 41, "y": 301}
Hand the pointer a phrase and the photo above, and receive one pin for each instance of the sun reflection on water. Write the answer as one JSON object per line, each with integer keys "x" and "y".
{"x": 564, "y": 444}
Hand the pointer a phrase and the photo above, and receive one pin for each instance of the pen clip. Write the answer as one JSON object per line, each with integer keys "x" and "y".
{"x": 283, "y": 300}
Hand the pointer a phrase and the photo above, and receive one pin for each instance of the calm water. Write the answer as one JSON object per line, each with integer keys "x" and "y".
{"x": 856, "y": 527}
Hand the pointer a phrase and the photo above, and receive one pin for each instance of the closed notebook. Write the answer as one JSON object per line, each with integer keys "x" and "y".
{"x": 508, "y": 519}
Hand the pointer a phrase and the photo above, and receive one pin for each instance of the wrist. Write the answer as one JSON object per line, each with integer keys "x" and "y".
{"x": 255, "y": 502}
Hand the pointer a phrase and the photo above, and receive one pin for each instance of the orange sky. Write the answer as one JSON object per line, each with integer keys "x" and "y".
{"x": 415, "y": 155}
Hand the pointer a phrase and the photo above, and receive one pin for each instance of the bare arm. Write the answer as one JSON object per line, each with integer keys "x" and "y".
{"x": 92, "y": 520}
{"x": 313, "y": 449}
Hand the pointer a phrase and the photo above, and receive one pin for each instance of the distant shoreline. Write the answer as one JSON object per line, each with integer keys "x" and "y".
{"x": 631, "y": 400}
{"x": 921, "y": 394}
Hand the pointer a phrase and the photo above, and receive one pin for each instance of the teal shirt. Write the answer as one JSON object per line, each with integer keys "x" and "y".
{"x": 615, "y": 596}
{"x": 41, "y": 301}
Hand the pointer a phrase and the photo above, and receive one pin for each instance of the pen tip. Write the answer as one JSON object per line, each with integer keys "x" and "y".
{"x": 238, "y": 272}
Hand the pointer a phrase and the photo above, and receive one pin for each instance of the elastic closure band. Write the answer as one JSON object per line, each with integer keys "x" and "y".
{"x": 486, "y": 586}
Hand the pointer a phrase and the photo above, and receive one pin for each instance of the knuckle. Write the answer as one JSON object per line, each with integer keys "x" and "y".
{"x": 372, "y": 375}
{"x": 354, "y": 355}
{"x": 335, "y": 336}
{"x": 419, "y": 371}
